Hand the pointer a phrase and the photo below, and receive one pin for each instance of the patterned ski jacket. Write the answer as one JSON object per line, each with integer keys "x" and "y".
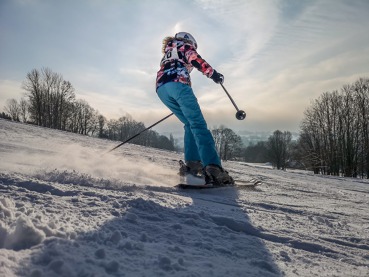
{"x": 177, "y": 63}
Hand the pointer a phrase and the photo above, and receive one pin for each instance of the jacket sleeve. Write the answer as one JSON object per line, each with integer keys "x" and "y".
{"x": 196, "y": 61}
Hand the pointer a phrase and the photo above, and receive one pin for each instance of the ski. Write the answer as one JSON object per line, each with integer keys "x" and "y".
{"x": 247, "y": 184}
{"x": 252, "y": 182}
{"x": 188, "y": 186}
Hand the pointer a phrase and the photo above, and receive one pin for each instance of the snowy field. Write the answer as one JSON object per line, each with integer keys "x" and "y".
{"x": 69, "y": 209}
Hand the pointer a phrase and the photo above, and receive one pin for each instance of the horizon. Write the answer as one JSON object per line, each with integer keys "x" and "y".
{"x": 276, "y": 56}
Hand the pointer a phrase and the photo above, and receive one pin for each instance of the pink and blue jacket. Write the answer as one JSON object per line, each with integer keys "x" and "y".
{"x": 177, "y": 63}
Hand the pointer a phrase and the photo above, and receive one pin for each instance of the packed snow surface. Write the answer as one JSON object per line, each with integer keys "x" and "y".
{"x": 68, "y": 208}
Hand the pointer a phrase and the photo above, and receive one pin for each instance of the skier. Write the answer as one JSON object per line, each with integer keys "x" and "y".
{"x": 173, "y": 86}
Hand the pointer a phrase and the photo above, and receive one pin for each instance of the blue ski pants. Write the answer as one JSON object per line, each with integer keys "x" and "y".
{"x": 198, "y": 141}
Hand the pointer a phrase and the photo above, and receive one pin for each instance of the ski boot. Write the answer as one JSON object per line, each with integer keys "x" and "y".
{"x": 190, "y": 167}
{"x": 191, "y": 173}
{"x": 217, "y": 176}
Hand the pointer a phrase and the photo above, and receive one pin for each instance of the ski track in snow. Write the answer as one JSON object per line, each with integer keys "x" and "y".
{"x": 67, "y": 208}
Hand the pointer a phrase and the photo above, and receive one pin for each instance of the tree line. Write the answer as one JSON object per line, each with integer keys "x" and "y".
{"x": 276, "y": 150}
{"x": 333, "y": 139}
{"x": 50, "y": 101}
{"x": 126, "y": 127}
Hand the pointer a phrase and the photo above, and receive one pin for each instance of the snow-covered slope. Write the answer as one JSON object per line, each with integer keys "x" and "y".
{"x": 67, "y": 208}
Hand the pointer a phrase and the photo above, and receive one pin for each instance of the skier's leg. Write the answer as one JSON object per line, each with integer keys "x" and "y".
{"x": 165, "y": 92}
{"x": 197, "y": 124}
{"x": 191, "y": 150}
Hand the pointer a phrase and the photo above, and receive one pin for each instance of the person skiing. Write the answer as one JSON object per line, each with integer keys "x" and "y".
{"x": 173, "y": 86}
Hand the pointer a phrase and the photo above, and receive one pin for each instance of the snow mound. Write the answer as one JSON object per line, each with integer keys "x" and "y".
{"x": 21, "y": 235}
{"x": 25, "y": 235}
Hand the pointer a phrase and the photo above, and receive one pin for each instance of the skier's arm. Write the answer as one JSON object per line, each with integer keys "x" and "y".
{"x": 199, "y": 63}
{"x": 196, "y": 61}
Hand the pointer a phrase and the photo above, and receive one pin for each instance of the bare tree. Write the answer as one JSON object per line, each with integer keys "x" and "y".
{"x": 23, "y": 105}
{"x": 33, "y": 87}
{"x": 279, "y": 147}
{"x": 361, "y": 88}
{"x": 13, "y": 109}
{"x": 52, "y": 103}
{"x": 102, "y": 123}
{"x": 49, "y": 98}
{"x": 334, "y": 133}
{"x": 228, "y": 143}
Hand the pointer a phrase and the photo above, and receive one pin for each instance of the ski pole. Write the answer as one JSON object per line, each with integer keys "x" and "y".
{"x": 136, "y": 135}
{"x": 240, "y": 114}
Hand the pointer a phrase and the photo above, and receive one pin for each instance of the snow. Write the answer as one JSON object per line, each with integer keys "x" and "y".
{"x": 68, "y": 208}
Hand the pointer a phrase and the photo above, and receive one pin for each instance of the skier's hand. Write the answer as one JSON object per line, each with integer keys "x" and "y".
{"x": 217, "y": 77}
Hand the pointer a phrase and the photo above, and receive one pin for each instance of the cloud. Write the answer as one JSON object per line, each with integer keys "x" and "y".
{"x": 276, "y": 55}
{"x": 9, "y": 89}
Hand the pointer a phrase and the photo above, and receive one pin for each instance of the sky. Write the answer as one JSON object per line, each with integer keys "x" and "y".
{"x": 276, "y": 55}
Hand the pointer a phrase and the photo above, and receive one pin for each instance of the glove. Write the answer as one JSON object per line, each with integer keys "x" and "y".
{"x": 217, "y": 77}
